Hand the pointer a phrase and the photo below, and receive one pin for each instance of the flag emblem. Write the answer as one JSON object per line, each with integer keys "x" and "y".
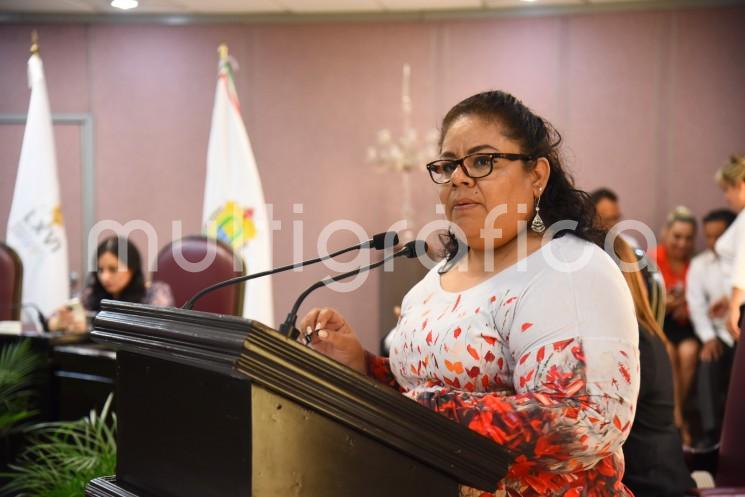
{"x": 234, "y": 210}
{"x": 57, "y": 216}
{"x": 232, "y": 224}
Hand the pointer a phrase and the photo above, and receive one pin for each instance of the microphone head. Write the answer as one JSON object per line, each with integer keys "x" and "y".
{"x": 389, "y": 239}
{"x": 415, "y": 248}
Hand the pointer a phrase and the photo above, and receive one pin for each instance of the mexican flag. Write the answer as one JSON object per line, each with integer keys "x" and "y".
{"x": 234, "y": 208}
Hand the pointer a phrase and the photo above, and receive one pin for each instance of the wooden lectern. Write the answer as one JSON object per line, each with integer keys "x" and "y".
{"x": 217, "y": 406}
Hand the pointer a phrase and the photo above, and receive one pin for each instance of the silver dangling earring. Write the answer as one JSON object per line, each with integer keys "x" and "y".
{"x": 537, "y": 225}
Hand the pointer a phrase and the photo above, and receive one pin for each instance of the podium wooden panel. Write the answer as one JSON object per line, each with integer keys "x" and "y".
{"x": 213, "y": 405}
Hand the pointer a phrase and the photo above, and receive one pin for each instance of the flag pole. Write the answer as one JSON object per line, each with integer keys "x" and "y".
{"x": 34, "y": 43}
{"x": 223, "y": 51}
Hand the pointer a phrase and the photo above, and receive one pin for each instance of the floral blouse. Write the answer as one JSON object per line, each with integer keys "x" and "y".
{"x": 542, "y": 358}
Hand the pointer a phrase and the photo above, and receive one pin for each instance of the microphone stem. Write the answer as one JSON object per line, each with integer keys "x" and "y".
{"x": 40, "y": 315}
{"x": 288, "y": 327}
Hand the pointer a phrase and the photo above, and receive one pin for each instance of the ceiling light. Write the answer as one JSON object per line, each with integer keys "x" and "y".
{"x": 528, "y": 1}
{"x": 124, "y": 4}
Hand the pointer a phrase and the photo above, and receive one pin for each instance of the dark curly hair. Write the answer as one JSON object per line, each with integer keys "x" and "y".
{"x": 537, "y": 138}
{"x": 134, "y": 291}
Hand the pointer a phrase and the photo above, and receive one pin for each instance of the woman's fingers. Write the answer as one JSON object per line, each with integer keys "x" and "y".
{"x": 719, "y": 308}
{"x": 309, "y": 320}
{"x": 319, "y": 319}
{"x": 326, "y": 331}
{"x": 322, "y": 326}
{"x": 324, "y": 341}
{"x": 328, "y": 319}
{"x": 322, "y": 318}
{"x": 303, "y": 333}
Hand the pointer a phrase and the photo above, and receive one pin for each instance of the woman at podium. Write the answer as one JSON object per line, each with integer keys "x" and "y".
{"x": 526, "y": 331}
{"x": 118, "y": 276}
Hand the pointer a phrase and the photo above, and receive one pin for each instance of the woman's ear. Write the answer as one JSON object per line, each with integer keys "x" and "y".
{"x": 539, "y": 175}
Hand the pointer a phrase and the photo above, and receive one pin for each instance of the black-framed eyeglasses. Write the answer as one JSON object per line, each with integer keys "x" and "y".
{"x": 474, "y": 166}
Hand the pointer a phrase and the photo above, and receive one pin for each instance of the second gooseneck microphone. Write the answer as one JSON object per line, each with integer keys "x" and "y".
{"x": 378, "y": 242}
{"x": 412, "y": 249}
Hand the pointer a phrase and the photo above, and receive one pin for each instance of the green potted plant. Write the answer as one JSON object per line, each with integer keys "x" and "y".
{"x": 62, "y": 457}
{"x": 18, "y": 365}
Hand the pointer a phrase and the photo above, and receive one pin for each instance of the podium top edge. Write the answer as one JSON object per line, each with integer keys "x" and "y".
{"x": 176, "y": 314}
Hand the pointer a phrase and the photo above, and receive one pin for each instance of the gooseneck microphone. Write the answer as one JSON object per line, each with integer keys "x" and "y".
{"x": 377, "y": 242}
{"x": 412, "y": 249}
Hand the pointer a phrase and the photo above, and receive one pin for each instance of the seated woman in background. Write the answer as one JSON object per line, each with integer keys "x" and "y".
{"x": 512, "y": 336}
{"x": 119, "y": 276}
{"x": 653, "y": 451}
{"x": 673, "y": 257}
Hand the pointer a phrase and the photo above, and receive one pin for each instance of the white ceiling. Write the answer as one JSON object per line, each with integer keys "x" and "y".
{"x": 248, "y": 7}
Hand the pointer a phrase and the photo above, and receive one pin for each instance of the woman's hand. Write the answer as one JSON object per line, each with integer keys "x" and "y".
{"x": 61, "y": 320}
{"x": 673, "y": 301}
{"x": 719, "y": 308}
{"x": 711, "y": 351}
{"x": 733, "y": 321}
{"x": 733, "y": 318}
{"x": 77, "y": 326}
{"x": 64, "y": 320}
{"x": 333, "y": 337}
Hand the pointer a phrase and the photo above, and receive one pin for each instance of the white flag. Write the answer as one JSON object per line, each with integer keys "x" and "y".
{"x": 234, "y": 208}
{"x": 35, "y": 227}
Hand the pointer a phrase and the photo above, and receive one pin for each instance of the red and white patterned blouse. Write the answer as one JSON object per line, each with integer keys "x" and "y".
{"x": 542, "y": 358}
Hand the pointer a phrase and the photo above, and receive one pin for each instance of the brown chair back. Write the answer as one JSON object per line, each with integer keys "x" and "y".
{"x": 11, "y": 284}
{"x": 731, "y": 465}
{"x": 185, "y": 282}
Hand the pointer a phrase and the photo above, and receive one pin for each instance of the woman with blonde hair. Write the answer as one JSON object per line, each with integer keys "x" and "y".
{"x": 653, "y": 451}
{"x": 731, "y": 245}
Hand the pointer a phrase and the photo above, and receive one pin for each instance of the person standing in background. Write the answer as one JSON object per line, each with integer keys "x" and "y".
{"x": 607, "y": 210}
{"x": 673, "y": 257}
{"x": 731, "y": 245}
{"x": 707, "y": 297}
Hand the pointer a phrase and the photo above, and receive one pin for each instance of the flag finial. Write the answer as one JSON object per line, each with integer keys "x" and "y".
{"x": 34, "y": 43}
{"x": 223, "y": 51}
